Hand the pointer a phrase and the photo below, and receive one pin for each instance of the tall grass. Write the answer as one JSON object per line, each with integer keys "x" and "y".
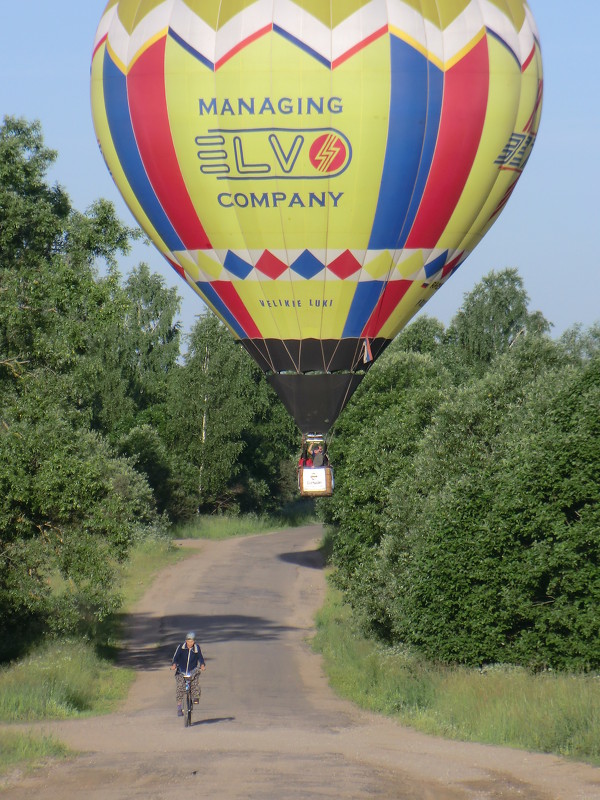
{"x": 223, "y": 526}
{"x": 146, "y": 559}
{"x": 24, "y": 749}
{"x": 549, "y": 712}
{"x": 59, "y": 680}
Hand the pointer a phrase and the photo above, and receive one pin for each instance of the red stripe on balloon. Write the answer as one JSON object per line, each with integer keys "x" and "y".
{"x": 391, "y": 296}
{"x": 360, "y": 46}
{"x": 528, "y": 60}
{"x": 235, "y": 306}
{"x": 99, "y": 45}
{"x": 149, "y": 116}
{"x": 452, "y": 265}
{"x": 177, "y": 267}
{"x": 252, "y": 38}
{"x": 466, "y": 88}
{"x": 536, "y": 108}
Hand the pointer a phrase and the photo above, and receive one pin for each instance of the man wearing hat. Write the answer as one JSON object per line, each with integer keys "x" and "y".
{"x": 187, "y": 660}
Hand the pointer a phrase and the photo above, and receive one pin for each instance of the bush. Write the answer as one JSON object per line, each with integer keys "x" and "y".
{"x": 59, "y": 680}
{"x": 466, "y": 517}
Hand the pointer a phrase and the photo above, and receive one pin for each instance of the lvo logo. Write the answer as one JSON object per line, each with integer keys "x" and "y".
{"x": 264, "y": 153}
{"x": 328, "y": 153}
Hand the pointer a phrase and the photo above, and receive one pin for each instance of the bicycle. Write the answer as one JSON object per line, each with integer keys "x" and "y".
{"x": 188, "y": 703}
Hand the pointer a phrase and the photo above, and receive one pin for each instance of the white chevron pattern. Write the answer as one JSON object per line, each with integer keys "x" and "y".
{"x": 441, "y": 46}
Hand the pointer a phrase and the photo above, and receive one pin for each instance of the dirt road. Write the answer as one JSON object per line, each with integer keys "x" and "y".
{"x": 268, "y": 726}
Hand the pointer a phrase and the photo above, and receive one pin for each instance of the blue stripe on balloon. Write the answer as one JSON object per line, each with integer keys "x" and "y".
{"x": 302, "y": 46}
{"x": 436, "y": 265}
{"x": 434, "y": 113}
{"x": 365, "y": 299}
{"x": 121, "y": 131}
{"x": 406, "y": 159}
{"x": 504, "y": 43}
{"x": 220, "y": 307}
{"x": 191, "y": 50}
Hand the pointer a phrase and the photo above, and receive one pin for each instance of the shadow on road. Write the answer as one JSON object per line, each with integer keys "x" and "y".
{"x": 213, "y": 721}
{"x": 311, "y": 559}
{"x": 152, "y": 642}
{"x": 210, "y": 629}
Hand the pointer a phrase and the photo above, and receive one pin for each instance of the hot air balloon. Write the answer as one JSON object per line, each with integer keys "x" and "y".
{"x": 316, "y": 169}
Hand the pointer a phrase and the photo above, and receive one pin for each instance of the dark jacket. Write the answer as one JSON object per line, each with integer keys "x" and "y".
{"x": 188, "y": 659}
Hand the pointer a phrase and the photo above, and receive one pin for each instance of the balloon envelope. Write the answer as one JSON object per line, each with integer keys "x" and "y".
{"x": 316, "y": 169}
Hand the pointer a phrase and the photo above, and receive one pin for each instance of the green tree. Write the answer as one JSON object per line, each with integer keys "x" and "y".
{"x": 210, "y": 409}
{"x": 153, "y": 333}
{"x": 69, "y": 512}
{"x": 145, "y": 448}
{"x": 69, "y": 507}
{"x": 268, "y": 461}
{"x": 423, "y": 335}
{"x": 55, "y": 313}
{"x": 464, "y": 519}
{"x": 491, "y": 318}
{"x": 148, "y": 355}
{"x": 230, "y": 434}
{"x": 33, "y": 213}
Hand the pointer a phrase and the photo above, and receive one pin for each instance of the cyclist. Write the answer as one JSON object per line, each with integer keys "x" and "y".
{"x": 187, "y": 660}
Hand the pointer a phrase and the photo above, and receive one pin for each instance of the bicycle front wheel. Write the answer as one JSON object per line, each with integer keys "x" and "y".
{"x": 188, "y": 711}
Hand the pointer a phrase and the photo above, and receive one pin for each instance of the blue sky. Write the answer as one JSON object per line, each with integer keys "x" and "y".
{"x": 548, "y": 230}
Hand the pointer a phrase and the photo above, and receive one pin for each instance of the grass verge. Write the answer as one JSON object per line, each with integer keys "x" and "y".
{"x": 61, "y": 679}
{"x": 73, "y": 677}
{"x": 26, "y": 751}
{"x": 549, "y": 712}
{"x": 222, "y": 526}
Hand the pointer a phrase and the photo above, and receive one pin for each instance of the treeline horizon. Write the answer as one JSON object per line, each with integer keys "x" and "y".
{"x": 465, "y": 515}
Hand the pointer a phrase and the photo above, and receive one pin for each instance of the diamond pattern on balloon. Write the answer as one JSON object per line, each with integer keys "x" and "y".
{"x": 307, "y": 266}
{"x": 237, "y": 266}
{"x": 270, "y": 265}
{"x": 344, "y": 265}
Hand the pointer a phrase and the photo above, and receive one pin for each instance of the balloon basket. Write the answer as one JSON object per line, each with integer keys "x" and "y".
{"x": 315, "y": 481}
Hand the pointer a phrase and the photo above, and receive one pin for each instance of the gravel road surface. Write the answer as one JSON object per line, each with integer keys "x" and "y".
{"x": 268, "y": 727}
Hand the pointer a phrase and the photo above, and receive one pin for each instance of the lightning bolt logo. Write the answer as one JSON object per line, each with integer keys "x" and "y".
{"x": 327, "y": 153}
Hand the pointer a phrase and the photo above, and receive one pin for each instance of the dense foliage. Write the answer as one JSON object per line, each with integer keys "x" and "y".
{"x": 106, "y": 435}
{"x": 467, "y": 507}
{"x": 466, "y": 513}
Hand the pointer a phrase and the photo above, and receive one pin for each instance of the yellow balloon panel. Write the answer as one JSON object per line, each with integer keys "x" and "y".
{"x": 316, "y": 176}
{"x": 272, "y": 166}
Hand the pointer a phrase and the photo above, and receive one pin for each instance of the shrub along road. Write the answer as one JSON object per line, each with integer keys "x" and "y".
{"x": 268, "y": 725}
